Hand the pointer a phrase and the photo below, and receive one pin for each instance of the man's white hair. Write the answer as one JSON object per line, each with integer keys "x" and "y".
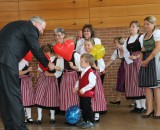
{"x": 37, "y": 19}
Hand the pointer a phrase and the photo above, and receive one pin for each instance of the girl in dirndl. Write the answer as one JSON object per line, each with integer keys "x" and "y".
{"x": 98, "y": 101}
{"x": 149, "y": 76}
{"x": 27, "y": 89}
{"x": 47, "y": 91}
{"x": 120, "y": 85}
{"x": 132, "y": 49}
{"x": 68, "y": 81}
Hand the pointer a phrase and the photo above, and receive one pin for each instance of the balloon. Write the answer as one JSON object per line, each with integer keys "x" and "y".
{"x": 98, "y": 51}
{"x": 73, "y": 114}
{"x": 65, "y": 49}
{"x": 41, "y": 66}
{"x": 28, "y": 56}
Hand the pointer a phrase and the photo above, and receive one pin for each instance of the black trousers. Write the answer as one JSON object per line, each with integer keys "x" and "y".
{"x": 87, "y": 112}
{"x": 12, "y": 111}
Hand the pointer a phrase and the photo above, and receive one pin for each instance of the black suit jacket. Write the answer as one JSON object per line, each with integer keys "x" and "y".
{"x": 16, "y": 39}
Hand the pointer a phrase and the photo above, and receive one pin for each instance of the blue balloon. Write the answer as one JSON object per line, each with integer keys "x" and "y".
{"x": 73, "y": 114}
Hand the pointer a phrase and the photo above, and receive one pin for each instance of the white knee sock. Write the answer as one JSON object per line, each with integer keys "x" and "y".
{"x": 39, "y": 113}
{"x": 96, "y": 117}
{"x": 138, "y": 104}
{"x": 28, "y": 111}
{"x": 52, "y": 114}
{"x": 143, "y": 103}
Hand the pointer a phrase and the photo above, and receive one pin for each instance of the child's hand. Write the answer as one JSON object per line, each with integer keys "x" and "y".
{"x": 132, "y": 57}
{"x": 75, "y": 90}
{"x": 71, "y": 64}
{"x": 81, "y": 92}
{"x": 29, "y": 69}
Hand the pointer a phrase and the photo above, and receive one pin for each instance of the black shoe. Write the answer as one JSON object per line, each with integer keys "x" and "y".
{"x": 115, "y": 102}
{"x": 38, "y": 122}
{"x": 142, "y": 110}
{"x": 135, "y": 110}
{"x": 52, "y": 121}
{"x": 30, "y": 121}
{"x": 147, "y": 116}
{"x": 96, "y": 121}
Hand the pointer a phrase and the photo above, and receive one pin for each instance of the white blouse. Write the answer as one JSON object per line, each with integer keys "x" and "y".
{"x": 115, "y": 55}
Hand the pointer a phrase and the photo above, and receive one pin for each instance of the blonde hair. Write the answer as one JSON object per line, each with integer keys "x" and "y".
{"x": 90, "y": 40}
{"x": 120, "y": 40}
{"x": 151, "y": 19}
{"x": 88, "y": 58}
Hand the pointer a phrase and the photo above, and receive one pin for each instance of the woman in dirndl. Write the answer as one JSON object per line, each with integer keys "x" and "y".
{"x": 149, "y": 76}
{"x": 118, "y": 53}
{"x": 132, "y": 49}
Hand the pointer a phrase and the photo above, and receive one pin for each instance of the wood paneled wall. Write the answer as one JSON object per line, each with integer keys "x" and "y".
{"x": 73, "y": 14}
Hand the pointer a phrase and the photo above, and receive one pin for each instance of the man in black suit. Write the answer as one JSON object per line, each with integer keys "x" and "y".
{"x": 16, "y": 39}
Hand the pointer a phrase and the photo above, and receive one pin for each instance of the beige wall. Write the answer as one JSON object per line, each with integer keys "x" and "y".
{"x": 73, "y": 14}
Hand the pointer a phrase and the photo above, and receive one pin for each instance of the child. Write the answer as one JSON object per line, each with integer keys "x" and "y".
{"x": 27, "y": 89}
{"x": 47, "y": 92}
{"x": 85, "y": 88}
{"x": 98, "y": 101}
{"x": 120, "y": 86}
{"x": 69, "y": 78}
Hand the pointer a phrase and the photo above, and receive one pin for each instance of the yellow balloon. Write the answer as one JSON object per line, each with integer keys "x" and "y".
{"x": 98, "y": 51}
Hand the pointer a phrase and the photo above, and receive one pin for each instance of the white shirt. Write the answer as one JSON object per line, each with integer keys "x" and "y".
{"x": 91, "y": 79}
{"x": 114, "y": 55}
{"x": 77, "y": 58}
{"x": 59, "y": 63}
{"x": 23, "y": 63}
{"x": 80, "y": 45}
{"x": 156, "y": 35}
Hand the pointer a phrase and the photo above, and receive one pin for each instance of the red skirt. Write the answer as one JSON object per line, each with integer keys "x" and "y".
{"x": 98, "y": 101}
{"x": 47, "y": 91}
{"x": 27, "y": 90}
{"x": 67, "y": 97}
{"x": 133, "y": 91}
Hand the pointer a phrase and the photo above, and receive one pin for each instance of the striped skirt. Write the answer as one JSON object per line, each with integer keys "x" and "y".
{"x": 121, "y": 78}
{"x": 98, "y": 101}
{"x": 67, "y": 97}
{"x": 133, "y": 91}
{"x": 27, "y": 90}
{"x": 47, "y": 91}
{"x": 148, "y": 75}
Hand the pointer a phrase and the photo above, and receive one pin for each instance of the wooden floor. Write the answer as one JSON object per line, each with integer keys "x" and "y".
{"x": 117, "y": 118}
